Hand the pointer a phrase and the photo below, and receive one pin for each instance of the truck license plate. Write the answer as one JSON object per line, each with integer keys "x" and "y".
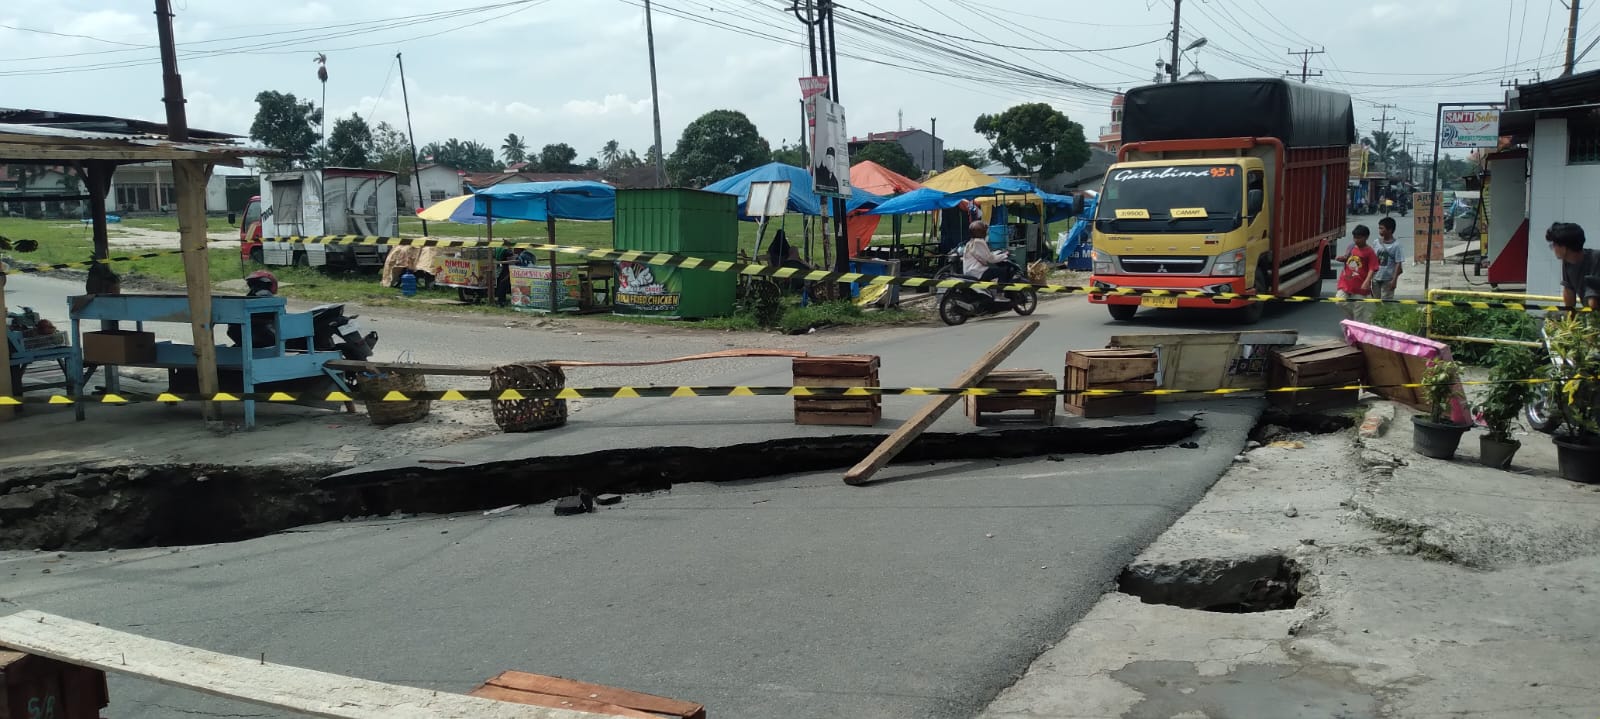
{"x": 1160, "y": 302}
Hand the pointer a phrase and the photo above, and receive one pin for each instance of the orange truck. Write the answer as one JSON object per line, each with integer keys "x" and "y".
{"x": 1222, "y": 186}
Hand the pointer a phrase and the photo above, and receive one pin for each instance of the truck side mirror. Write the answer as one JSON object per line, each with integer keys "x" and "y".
{"x": 1253, "y": 201}
{"x": 233, "y": 219}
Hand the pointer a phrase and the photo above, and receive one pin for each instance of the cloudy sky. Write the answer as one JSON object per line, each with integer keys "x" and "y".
{"x": 576, "y": 71}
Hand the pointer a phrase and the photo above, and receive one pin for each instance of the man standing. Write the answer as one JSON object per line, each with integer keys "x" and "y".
{"x": 1580, "y": 268}
{"x": 1391, "y": 260}
{"x": 1355, "y": 282}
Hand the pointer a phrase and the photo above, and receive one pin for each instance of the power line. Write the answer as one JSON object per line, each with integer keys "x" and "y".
{"x": 1305, "y": 63}
{"x": 1007, "y": 46}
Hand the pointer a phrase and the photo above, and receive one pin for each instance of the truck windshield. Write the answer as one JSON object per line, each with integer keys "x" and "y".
{"x": 1179, "y": 198}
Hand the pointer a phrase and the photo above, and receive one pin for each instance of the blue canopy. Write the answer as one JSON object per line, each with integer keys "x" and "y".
{"x": 923, "y": 199}
{"x": 538, "y": 201}
{"x": 1012, "y": 185}
{"x": 802, "y": 199}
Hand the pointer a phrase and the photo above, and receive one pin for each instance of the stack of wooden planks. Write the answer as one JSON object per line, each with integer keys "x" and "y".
{"x": 1110, "y": 369}
{"x": 837, "y": 371}
{"x": 1329, "y": 364}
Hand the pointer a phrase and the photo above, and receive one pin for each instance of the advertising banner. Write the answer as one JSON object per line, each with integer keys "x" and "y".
{"x": 1470, "y": 129}
{"x": 463, "y": 272}
{"x": 531, "y": 289}
{"x": 830, "y": 148}
{"x": 644, "y": 289}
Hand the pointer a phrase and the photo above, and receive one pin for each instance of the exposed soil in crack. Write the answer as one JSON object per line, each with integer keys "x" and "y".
{"x": 87, "y": 508}
{"x": 1237, "y": 585}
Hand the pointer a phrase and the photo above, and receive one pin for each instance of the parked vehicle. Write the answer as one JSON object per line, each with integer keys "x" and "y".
{"x": 1227, "y": 186}
{"x": 311, "y": 203}
{"x": 1544, "y": 411}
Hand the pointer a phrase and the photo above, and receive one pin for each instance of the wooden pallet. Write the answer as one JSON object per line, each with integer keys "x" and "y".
{"x": 1043, "y": 408}
{"x": 1110, "y": 369}
{"x": 1329, "y": 364}
{"x": 837, "y": 371}
{"x": 36, "y": 687}
{"x": 559, "y": 693}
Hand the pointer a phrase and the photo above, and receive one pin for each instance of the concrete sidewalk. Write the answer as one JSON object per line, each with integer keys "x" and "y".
{"x": 1429, "y": 589}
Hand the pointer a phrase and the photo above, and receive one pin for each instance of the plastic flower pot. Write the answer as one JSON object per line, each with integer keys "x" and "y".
{"x": 1438, "y": 440}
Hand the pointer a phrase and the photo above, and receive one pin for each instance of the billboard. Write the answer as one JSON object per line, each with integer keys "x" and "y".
{"x": 830, "y": 147}
{"x": 1466, "y": 129}
{"x": 645, "y": 289}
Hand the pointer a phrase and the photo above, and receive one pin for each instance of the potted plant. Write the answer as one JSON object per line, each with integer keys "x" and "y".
{"x": 1509, "y": 393}
{"x": 1435, "y": 435}
{"x": 1575, "y": 342}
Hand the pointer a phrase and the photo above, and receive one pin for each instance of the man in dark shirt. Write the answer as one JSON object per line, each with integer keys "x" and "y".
{"x": 1580, "y": 268}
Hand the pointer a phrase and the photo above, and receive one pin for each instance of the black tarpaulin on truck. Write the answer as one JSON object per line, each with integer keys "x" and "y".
{"x": 1300, "y": 115}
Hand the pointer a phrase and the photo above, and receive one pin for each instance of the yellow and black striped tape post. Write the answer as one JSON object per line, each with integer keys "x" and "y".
{"x": 32, "y": 269}
{"x": 663, "y": 259}
{"x": 685, "y": 391}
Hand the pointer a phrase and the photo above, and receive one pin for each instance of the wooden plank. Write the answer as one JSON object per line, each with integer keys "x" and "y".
{"x": 835, "y": 381}
{"x": 1212, "y": 360}
{"x": 838, "y": 419}
{"x": 836, "y": 365}
{"x": 502, "y": 694}
{"x": 807, "y": 404}
{"x": 559, "y": 686}
{"x": 190, "y": 181}
{"x": 303, "y": 691}
{"x": 1113, "y": 406}
{"x": 925, "y": 417}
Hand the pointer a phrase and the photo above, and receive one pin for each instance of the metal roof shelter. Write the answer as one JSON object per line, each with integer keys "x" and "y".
{"x": 96, "y": 145}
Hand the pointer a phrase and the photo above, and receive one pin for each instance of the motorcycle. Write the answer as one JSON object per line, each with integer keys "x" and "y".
{"x": 959, "y": 304}
{"x": 1545, "y": 404}
{"x": 332, "y": 330}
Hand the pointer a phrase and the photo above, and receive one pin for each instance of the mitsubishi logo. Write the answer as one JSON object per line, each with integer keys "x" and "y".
{"x": 1161, "y": 268}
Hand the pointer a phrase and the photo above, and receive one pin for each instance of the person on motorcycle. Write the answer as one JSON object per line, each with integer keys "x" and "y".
{"x": 981, "y": 263}
{"x": 1580, "y": 268}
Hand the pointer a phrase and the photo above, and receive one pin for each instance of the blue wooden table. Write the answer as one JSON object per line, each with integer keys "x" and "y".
{"x": 257, "y": 365}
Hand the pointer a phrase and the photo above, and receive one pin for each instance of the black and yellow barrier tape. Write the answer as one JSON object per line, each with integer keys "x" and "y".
{"x": 664, "y": 259}
{"x": 659, "y": 392}
{"x": 31, "y": 269}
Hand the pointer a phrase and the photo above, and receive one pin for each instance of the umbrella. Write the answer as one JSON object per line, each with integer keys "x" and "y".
{"x": 959, "y": 179}
{"x": 455, "y": 209}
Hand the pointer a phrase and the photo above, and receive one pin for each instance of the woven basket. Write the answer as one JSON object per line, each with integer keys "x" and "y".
{"x": 526, "y": 415}
{"x": 372, "y": 390}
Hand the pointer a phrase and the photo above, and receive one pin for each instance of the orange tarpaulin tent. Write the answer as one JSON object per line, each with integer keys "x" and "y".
{"x": 878, "y": 180}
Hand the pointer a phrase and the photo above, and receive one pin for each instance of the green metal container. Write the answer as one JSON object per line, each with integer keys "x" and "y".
{"x": 679, "y": 221}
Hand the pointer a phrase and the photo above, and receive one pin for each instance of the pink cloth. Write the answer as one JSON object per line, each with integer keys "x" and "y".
{"x": 1358, "y": 333}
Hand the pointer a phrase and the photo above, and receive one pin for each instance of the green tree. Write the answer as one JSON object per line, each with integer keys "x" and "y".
{"x": 611, "y": 154}
{"x": 350, "y": 143}
{"x": 514, "y": 148}
{"x": 558, "y": 157}
{"x": 391, "y": 151}
{"x": 469, "y": 155}
{"x": 790, "y": 155}
{"x": 1034, "y": 139}
{"x": 717, "y": 144}
{"x": 284, "y": 123}
{"x": 891, "y": 155}
{"x": 592, "y": 164}
{"x": 956, "y": 158}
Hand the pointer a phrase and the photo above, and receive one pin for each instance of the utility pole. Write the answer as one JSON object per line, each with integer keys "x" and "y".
{"x": 1405, "y": 136}
{"x": 1177, "y": 13}
{"x": 655, "y": 98}
{"x": 171, "y": 81}
{"x": 1383, "y": 121}
{"x": 934, "y": 163}
{"x": 1305, "y": 64}
{"x": 411, "y": 136}
{"x": 1572, "y": 37}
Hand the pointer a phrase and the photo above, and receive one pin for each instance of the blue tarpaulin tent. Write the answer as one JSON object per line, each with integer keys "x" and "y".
{"x": 538, "y": 201}
{"x": 1074, "y": 253}
{"x": 802, "y": 199}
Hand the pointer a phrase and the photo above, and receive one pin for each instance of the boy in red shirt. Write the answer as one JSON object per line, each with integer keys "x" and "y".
{"x": 1356, "y": 280}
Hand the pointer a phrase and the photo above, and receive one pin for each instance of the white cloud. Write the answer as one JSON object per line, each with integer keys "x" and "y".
{"x": 618, "y": 103}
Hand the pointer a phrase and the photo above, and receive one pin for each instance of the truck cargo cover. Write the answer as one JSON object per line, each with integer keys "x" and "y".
{"x": 1300, "y": 115}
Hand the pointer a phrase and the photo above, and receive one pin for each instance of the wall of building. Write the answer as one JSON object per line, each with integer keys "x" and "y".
{"x": 439, "y": 183}
{"x": 1558, "y": 192}
{"x": 925, "y": 150}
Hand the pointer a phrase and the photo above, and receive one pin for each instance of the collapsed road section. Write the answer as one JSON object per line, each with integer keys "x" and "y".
{"x": 113, "y": 507}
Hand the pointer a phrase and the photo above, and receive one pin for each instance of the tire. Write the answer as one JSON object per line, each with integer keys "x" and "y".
{"x": 1252, "y": 313}
{"x": 950, "y": 312}
{"x": 1543, "y": 412}
{"x": 471, "y": 297}
{"x": 1024, "y": 302}
{"x": 301, "y": 259}
{"x": 256, "y": 256}
{"x": 1329, "y": 272}
{"x": 1122, "y": 313}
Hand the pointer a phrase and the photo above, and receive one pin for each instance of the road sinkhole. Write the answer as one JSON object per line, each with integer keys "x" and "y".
{"x": 131, "y": 506}
{"x": 1241, "y": 585}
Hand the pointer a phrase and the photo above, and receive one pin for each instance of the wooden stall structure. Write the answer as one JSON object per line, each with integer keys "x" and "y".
{"x": 93, "y": 146}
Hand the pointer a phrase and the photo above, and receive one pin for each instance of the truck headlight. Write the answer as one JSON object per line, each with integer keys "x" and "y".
{"x": 1105, "y": 263}
{"x": 1229, "y": 264}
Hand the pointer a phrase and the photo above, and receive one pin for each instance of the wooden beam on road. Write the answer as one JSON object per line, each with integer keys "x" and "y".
{"x": 930, "y": 413}
{"x": 189, "y": 177}
{"x": 252, "y": 679}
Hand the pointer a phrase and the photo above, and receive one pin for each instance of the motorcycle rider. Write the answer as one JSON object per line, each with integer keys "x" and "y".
{"x": 981, "y": 263}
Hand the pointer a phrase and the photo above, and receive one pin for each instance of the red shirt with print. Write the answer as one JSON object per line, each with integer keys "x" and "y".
{"x": 1358, "y": 266}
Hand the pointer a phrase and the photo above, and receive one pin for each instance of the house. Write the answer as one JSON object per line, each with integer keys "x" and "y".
{"x": 440, "y": 182}
{"x": 135, "y": 188}
{"x": 1111, "y": 135}
{"x": 1558, "y": 121}
{"x": 925, "y": 150}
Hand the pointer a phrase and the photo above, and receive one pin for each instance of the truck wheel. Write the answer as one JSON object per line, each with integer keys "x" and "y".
{"x": 1122, "y": 313}
{"x": 1328, "y": 270}
{"x": 1251, "y": 313}
{"x": 301, "y": 259}
{"x": 256, "y": 256}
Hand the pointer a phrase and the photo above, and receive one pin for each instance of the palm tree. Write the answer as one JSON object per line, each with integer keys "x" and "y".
{"x": 611, "y": 154}
{"x": 514, "y": 149}
{"x": 1383, "y": 147}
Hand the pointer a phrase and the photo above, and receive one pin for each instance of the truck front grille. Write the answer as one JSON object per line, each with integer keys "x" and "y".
{"x": 1154, "y": 265}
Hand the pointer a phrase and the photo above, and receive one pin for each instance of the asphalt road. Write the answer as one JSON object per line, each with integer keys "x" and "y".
{"x": 793, "y": 596}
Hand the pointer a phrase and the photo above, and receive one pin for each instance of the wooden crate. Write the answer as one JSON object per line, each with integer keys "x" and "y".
{"x": 1329, "y": 364}
{"x": 1043, "y": 407}
{"x": 33, "y": 687}
{"x": 1110, "y": 369}
{"x": 837, "y": 371}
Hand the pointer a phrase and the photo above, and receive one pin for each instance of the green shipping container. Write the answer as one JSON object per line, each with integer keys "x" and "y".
{"x": 679, "y": 221}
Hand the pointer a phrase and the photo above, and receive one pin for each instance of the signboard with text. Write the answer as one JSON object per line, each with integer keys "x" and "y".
{"x": 830, "y": 147}
{"x": 1465, "y": 129}
{"x": 531, "y": 289}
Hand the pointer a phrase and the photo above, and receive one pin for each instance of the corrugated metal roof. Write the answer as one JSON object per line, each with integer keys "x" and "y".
{"x": 22, "y": 131}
